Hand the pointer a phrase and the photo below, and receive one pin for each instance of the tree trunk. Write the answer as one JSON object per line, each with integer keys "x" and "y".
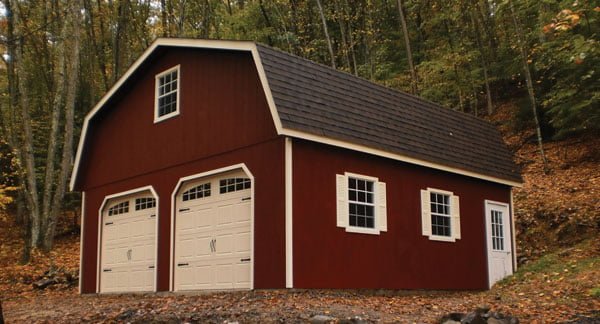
{"x": 102, "y": 60}
{"x": 26, "y": 148}
{"x": 352, "y": 45}
{"x": 57, "y": 105}
{"x": 326, "y": 32}
{"x": 119, "y": 37}
{"x": 341, "y": 17}
{"x": 263, "y": 11}
{"x": 1, "y": 316}
{"x": 413, "y": 72}
{"x": 488, "y": 93}
{"x": 65, "y": 165}
{"x": 529, "y": 81}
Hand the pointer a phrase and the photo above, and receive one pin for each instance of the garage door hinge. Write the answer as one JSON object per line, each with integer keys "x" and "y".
{"x": 245, "y": 260}
{"x": 182, "y": 264}
{"x": 151, "y": 267}
{"x": 109, "y": 223}
{"x": 107, "y": 270}
{"x": 184, "y": 209}
{"x": 247, "y": 198}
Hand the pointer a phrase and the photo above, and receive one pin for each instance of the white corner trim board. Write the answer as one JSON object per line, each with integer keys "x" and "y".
{"x": 289, "y": 242}
{"x": 251, "y": 47}
{"x": 100, "y": 211}
{"x": 81, "y": 239}
{"x": 180, "y": 183}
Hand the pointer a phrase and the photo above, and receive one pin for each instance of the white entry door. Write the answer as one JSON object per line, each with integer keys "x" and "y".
{"x": 213, "y": 234}
{"x": 128, "y": 248}
{"x": 499, "y": 241}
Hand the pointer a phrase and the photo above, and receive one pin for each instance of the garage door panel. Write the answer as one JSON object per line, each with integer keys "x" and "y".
{"x": 242, "y": 242}
{"x": 128, "y": 247}
{"x": 194, "y": 247}
{"x": 224, "y": 245}
{"x": 224, "y": 274}
{"x": 221, "y": 231}
{"x": 242, "y": 213}
{"x": 242, "y": 275}
{"x": 224, "y": 215}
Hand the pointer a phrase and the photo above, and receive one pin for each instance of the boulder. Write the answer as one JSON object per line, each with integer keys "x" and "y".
{"x": 320, "y": 319}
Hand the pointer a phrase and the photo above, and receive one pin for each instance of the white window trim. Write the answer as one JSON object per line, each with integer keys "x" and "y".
{"x": 158, "y": 119}
{"x": 441, "y": 238}
{"x": 378, "y": 228}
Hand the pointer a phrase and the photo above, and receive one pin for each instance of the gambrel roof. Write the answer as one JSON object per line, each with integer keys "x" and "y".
{"x": 317, "y": 103}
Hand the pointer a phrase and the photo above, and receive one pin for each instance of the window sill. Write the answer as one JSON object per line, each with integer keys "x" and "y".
{"x": 165, "y": 117}
{"x": 442, "y": 238}
{"x": 362, "y": 230}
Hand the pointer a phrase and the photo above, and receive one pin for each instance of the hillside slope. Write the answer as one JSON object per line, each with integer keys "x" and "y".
{"x": 560, "y": 208}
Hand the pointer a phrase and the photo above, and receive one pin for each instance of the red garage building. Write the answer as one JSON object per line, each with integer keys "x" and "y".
{"x": 231, "y": 165}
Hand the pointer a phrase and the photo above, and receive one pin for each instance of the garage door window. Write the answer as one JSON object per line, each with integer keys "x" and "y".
{"x": 234, "y": 184}
{"x": 144, "y": 203}
{"x": 197, "y": 192}
{"x": 120, "y": 208}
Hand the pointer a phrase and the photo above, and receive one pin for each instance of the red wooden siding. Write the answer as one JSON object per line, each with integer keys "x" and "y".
{"x": 326, "y": 256}
{"x": 222, "y": 107}
{"x": 224, "y": 120}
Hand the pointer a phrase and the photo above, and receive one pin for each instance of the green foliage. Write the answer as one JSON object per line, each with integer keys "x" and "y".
{"x": 568, "y": 61}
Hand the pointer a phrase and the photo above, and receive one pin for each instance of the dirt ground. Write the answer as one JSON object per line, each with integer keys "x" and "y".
{"x": 560, "y": 287}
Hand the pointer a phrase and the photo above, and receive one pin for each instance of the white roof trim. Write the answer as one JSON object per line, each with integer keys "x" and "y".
{"x": 251, "y": 47}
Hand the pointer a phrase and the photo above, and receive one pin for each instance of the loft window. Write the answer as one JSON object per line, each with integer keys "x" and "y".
{"x": 197, "y": 192}
{"x": 167, "y": 94}
{"x": 361, "y": 204}
{"x": 144, "y": 203}
{"x": 234, "y": 184}
{"x": 440, "y": 215}
{"x": 120, "y": 208}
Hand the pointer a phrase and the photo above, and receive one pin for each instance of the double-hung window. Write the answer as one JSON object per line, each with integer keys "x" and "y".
{"x": 167, "y": 94}
{"x": 440, "y": 215}
{"x": 361, "y": 204}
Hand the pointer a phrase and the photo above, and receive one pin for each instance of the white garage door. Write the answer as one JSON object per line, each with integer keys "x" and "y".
{"x": 213, "y": 233}
{"x": 128, "y": 244}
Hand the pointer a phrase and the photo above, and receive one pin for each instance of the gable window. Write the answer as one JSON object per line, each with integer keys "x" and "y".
{"x": 120, "y": 208}
{"x": 167, "y": 94}
{"x": 361, "y": 204}
{"x": 440, "y": 215}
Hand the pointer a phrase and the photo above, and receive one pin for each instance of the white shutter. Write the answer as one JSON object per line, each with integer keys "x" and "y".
{"x": 381, "y": 211}
{"x": 455, "y": 210}
{"x": 342, "y": 200}
{"x": 425, "y": 213}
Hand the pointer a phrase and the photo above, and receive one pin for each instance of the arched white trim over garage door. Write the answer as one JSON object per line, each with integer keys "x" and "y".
{"x": 127, "y": 247}
{"x": 213, "y": 231}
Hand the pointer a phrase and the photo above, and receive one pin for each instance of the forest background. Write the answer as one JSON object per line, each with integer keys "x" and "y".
{"x": 59, "y": 57}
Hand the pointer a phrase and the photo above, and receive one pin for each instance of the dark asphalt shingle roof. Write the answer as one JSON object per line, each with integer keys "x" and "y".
{"x": 316, "y": 99}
